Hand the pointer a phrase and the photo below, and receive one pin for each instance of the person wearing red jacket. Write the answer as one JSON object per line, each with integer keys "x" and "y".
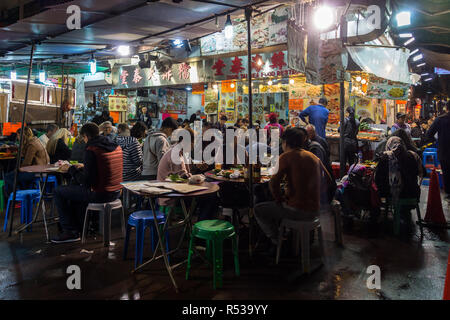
{"x": 97, "y": 180}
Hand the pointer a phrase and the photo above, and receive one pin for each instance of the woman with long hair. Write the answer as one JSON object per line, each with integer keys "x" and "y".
{"x": 57, "y": 146}
{"x": 33, "y": 153}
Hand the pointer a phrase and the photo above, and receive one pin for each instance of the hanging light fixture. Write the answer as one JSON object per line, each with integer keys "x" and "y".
{"x": 363, "y": 81}
{"x": 93, "y": 65}
{"x": 13, "y": 73}
{"x": 358, "y": 78}
{"x": 228, "y": 28}
{"x": 41, "y": 74}
{"x": 291, "y": 81}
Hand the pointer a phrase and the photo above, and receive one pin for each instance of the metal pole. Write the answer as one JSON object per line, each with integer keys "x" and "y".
{"x": 19, "y": 153}
{"x": 60, "y": 113}
{"x": 342, "y": 164}
{"x": 248, "y": 17}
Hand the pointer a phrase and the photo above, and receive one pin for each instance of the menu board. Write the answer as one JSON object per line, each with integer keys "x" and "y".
{"x": 267, "y": 29}
{"x": 173, "y": 101}
{"x": 386, "y": 89}
{"x": 117, "y": 103}
{"x": 211, "y": 98}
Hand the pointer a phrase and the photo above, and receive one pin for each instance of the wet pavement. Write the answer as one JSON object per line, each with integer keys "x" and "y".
{"x": 410, "y": 269}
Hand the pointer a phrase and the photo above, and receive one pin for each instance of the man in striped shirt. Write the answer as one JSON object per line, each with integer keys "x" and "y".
{"x": 132, "y": 151}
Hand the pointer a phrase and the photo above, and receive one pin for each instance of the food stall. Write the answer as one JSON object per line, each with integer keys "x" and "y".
{"x": 376, "y": 101}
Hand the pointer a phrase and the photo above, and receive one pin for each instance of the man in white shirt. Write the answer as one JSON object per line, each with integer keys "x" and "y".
{"x": 51, "y": 129}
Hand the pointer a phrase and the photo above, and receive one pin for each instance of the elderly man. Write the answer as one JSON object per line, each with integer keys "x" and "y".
{"x": 311, "y": 130}
{"x": 106, "y": 129}
{"x": 401, "y": 124}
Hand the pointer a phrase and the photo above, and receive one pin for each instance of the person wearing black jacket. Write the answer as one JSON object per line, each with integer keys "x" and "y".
{"x": 97, "y": 180}
{"x": 98, "y": 120}
{"x": 441, "y": 126}
{"x": 349, "y": 132}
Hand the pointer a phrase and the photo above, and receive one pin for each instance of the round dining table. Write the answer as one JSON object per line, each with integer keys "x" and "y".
{"x": 210, "y": 188}
{"x": 43, "y": 171}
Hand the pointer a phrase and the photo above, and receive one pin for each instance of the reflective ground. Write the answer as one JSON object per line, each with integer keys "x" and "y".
{"x": 410, "y": 269}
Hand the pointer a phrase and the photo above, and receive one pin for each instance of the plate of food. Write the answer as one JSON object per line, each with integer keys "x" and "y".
{"x": 176, "y": 178}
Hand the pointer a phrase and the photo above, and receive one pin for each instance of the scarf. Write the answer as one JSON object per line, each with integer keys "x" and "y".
{"x": 394, "y": 148}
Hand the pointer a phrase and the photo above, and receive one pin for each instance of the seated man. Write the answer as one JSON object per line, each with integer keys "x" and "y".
{"x": 301, "y": 200}
{"x": 98, "y": 180}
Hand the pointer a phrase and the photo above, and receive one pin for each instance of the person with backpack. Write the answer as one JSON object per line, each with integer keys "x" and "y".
{"x": 155, "y": 146}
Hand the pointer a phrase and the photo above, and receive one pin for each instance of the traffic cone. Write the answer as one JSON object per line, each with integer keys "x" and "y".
{"x": 435, "y": 214}
{"x": 447, "y": 281}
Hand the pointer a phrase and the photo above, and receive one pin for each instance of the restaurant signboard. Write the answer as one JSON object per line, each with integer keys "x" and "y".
{"x": 264, "y": 65}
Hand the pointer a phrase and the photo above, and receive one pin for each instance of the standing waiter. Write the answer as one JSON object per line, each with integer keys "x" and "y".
{"x": 349, "y": 132}
{"x": 441, "y": 126}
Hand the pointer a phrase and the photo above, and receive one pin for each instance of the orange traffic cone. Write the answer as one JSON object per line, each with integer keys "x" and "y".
{"x": 447, "y": 281}
{"x": 435, "y": 214}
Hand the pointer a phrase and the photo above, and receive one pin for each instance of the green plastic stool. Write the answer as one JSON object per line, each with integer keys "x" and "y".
{"x": 2, "y": 195}
{"x": 214, "y": 232}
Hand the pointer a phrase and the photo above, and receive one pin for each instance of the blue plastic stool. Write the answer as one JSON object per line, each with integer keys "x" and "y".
{"x": 52, "y": 183}
{"x": 433, "y": 155}
{"x": 27, "y": 199}
{"x": 430, "y": 150}
{"x": 141, "y": 220}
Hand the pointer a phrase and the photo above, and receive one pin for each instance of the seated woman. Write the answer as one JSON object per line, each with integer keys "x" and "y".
{"x": 207, "y": 205}
{"x": 57, "y": 146}
{"x": 397, "y": 174}
{"x": 33, "y": 153}
{"x": 132, "y": 151}
{"x": 78, "y": 149}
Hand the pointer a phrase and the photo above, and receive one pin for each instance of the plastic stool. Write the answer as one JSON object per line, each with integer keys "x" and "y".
{"x": 433, "y": 155}
{"x": 141, "y": 220}
{"x": 214, "y": 232}
{"x": 303, "y": 229}
{"x": 104, "y": 209}
{"x": 2, "y": 195}
{"x": 52, "y": 183}
{"x": 430, "y": 150}
{"x": 27, "y": 198}
{"x": 397, "y": 209}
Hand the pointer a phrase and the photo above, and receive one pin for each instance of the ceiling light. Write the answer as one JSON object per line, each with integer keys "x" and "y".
{"x": 358, "y": 78}
{"x": 409, "y": 41}
{"x": 424, "y": 74}
{"x": 123, "y": 50}
{"x": 363, "y": 81}
{"x": 428, "y": 79}
{"x": 414, "y": 52}
{"x": 403, "y": 18}
{"x": 405, "y": 35}
{"x": 323, "y": 17}
{"x": 13, "y": 73}
{"x": 291, "y": 81}
{"x": 93, "y": 65}
{"x": 177, "y": 43}
{"x": 418, "y": 57}
{"x": 421, "y": 64}
{"x": 41, "y": 74}
{"x": 228, "y": 28}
